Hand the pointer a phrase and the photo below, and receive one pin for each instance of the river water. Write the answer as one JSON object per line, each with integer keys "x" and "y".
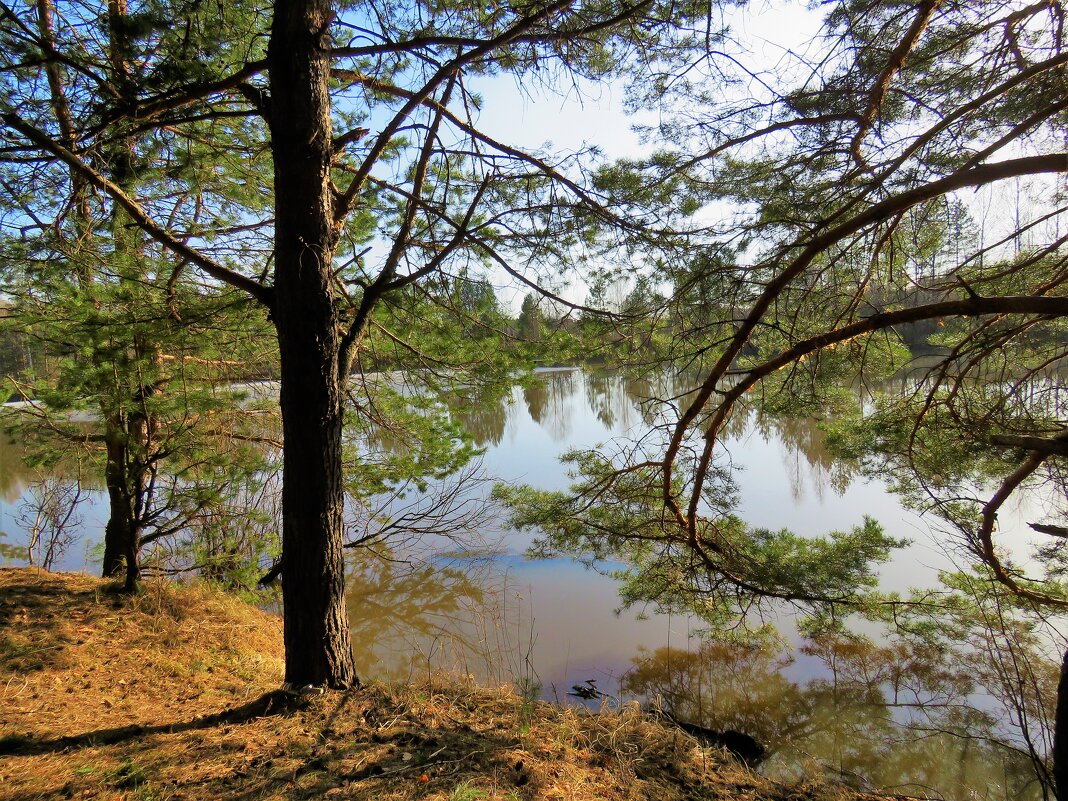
{"x": 874, "y": 716}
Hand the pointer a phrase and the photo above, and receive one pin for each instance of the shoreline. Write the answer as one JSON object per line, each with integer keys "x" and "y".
{"x": 173, "y": 694}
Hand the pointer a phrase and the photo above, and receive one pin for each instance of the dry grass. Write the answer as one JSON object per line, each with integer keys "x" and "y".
{"x": 170, "y": 695}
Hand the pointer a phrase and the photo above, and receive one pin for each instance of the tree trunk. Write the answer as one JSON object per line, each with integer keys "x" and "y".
{"x": 116, "y": 532}
{"x": 114, "y": 553}
{"x": 121, "y": 534}
{"x": 317, "y": 643}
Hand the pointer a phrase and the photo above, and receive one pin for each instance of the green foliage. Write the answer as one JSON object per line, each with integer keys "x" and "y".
{"x": 531, "y": 318}
{"x": 464, "y": 791}
{"x": 941, "y": 448}
{"x": 614, "y": 521}
{"x": 126, "y": 776}
{"x": 409, "y": 439}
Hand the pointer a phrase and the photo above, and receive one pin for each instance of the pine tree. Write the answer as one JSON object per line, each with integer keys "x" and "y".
{"x": 834, "y": 199}
{"x": 123, "y": 338}
{"x": 371, "y": 130}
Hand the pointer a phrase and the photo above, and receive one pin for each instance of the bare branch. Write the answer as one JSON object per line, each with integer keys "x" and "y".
{"x": 818, "y": 243}
{"x": 348, "y": 199}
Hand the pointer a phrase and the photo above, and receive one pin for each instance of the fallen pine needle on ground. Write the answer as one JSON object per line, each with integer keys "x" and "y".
{"x": 174, "y": 694}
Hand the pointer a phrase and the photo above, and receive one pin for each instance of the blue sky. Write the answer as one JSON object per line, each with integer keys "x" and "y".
{"x": 592, "y": 113}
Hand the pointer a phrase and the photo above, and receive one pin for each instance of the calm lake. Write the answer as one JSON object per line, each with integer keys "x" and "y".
{"x": 873, "y": 717}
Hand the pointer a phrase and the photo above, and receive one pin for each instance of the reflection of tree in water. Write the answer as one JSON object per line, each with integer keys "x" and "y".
{"x": 894, "y": 715}
{"x": 801, "y": 438}
{"x": 601, "y": 395}
{"x": 394, "y": 415}
{"x": 384, "y": 440}
{"x": 655, "y": 397}
{"x": 722, "y": 686}
{"x": 615, "y": 401}
{"x": 481, "y": 410}
{"x": 21, "y": 485}
{"x": 639, "y": 391}
{"x": 549, "y": 399}
{"x": 737, "y": 425}
{"x": 11, "y": 551}
{"x": 536, "y": 397}
{"x": 408, "y": 617}
{"x": 15, "y": 476}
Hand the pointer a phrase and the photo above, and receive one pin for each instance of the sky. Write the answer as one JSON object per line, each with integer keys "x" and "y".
{"x": 592, "y": 113}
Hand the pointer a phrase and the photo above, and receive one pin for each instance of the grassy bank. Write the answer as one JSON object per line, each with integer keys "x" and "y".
{"x": 174, "y": 694}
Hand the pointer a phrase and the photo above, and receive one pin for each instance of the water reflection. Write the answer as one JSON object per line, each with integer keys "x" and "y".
{"x": 15, "y": 477}
{"x": 536, "y": 397}
{"x": 24, "y": 498}
{"x": 410, "y": 618}
{"x": 481, "y": 410}
{"x": 891, "y": 717}
{"x": 15, "y": 474}
{"x": 878, "y": 712}
{"x": 574, "y": 407}
{"x": 802, "y": 439}
{"x": 550, "y": 401}
{"x": 618, "y": 402}
{"x": 882, "y": 717}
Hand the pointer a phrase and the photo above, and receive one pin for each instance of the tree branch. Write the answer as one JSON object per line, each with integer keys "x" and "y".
{"x": 153, "y": 107}
{"x": 380, "y": 286}
{"x": 1050, "y": 446}
{"x": 348, "y": 199}
{"x": 810, "y": 249}
{"x": 140, "y": 217}
{"x": 924, "y": 12}
{"x": 546, "y": 169}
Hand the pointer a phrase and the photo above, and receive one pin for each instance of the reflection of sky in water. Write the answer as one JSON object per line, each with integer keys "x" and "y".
{"x": 787, "y": 480}
{"x": 506, "y": 618}
{"x": 17, "y": 489}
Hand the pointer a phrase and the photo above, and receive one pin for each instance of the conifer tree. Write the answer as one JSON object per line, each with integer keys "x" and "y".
{"x": 370, "y": 120}
{"x": 839, "y": 220}
{"x": 124, "y": 338}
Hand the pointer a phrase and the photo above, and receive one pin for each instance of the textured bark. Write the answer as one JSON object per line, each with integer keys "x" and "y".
{"x": 120, "y": 538}
{"x": 114, "y": 553}
{"x": 317, "y": 642}
{"x": 127, "y": 433}
{"x": 122, "y": 535}
{"x": 117, "y": 529}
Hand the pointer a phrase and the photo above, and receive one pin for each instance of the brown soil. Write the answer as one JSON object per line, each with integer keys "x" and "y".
{"x": 173, "y": 694}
